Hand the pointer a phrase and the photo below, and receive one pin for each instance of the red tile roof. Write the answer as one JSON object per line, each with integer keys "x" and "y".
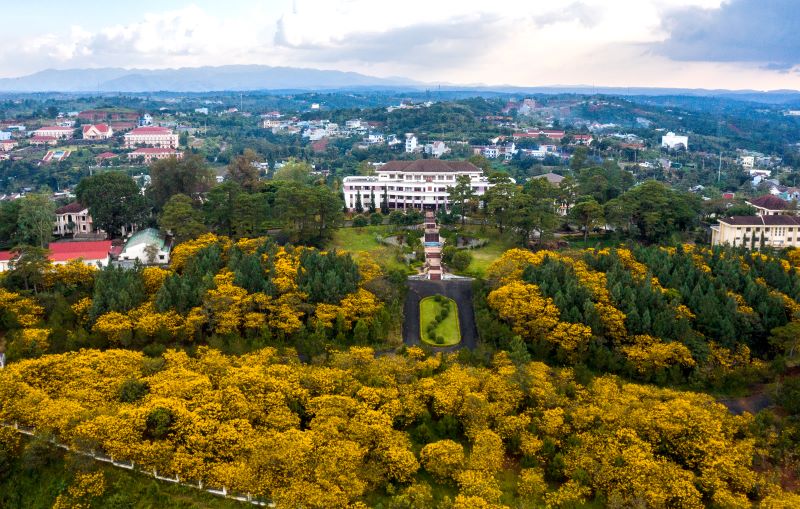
{"x": 64, "y": 251}
{"x": 71, "y": 208}
{"x": 6, "y": 256}
{"x": 769, "y": 202}
{"x": 106, "y": 155}
{"x": 102, "y": 128}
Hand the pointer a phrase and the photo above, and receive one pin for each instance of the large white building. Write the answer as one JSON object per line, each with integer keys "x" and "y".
{"x": 754, "y": 232}
{"x": 55, "y": 131}
{"x": 419, "y": 184}
{"x": 160, "y": 137}
{"x": 411, "y": 143}
{"x": 673, "y": 141}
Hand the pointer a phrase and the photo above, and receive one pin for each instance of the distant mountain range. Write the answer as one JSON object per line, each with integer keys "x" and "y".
{"x": 262, "y": 77}
{"x": 195, "y": 79}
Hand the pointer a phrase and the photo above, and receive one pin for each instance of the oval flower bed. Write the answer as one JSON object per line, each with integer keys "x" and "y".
{"x": 438, "y": 321}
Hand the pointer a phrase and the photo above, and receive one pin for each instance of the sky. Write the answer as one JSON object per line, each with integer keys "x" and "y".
{"x": 731, "y": 44}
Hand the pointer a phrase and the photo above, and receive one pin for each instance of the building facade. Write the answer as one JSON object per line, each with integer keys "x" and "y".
{"x": 419, "y": 184}
{"x": 757, "y": 232}
{"x": 769, "y": 205}
{"x": 149, "y": 154}
{"x": 673, "y": 141}
{"x": 55, "y": 131}
{"x": 159, "y": 137}
{"x": 97, "y": 132}
{"x": 73, "y": 219}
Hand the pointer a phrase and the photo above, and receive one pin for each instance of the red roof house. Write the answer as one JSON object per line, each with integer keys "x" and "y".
{"x": 92, "y": 253}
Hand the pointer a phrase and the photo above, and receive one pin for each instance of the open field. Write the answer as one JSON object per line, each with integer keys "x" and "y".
{"x": 448, "y": 328}
{"x": 364, "y": 239}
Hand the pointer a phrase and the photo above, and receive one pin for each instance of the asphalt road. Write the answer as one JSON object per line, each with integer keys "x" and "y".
{"x": 460, "y": 290}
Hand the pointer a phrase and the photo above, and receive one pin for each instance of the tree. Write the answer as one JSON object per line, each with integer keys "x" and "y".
{"x": 499, "y": 198}
{"x": 461, "y": 260}
{"x": 384, "y": 202}
{"x": 30, "y": 264}
{"x": 35, "y": 220}
{"x": 181, "y": 218}
{"x": 534, "y": 210}
{"x": 588, "y": 213}
{"x": 461, "y": 193}
{"x": 294, "y": 171}
{"x": 359, "y": 205}
{"x": 372, "y": 206}
{"x": 308, "y": 213}
{"x": 190, "y": 176}
{"x": 113, "y": 199}
{"x": 242, "y": 171}
{"x": 219, "y": 207}
{"x": 9, "y": 215}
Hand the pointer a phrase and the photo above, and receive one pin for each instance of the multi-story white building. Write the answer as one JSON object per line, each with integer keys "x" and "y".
{"x": 55, "y": 131}
{"x": 73, "y": 219}
{"x": 754, "y": 232}
{"x": 673, "y": 141}
{"x": 411, "y": 143}
{"x": 151, "y": 137}
{"x": 419, "y": 184}
{"x": 148, "y": 154}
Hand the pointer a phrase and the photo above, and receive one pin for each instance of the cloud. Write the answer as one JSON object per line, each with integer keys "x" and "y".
{"x": 737, "y": 31}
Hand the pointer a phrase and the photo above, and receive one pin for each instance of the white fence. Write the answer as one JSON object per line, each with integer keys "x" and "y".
{"x": 129, "y": 465}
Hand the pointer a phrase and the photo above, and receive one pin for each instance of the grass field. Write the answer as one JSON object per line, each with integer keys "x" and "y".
{"x": 364, "y": 239}
{"x": 447, "y": 328}
{"x": 483, "y": 256}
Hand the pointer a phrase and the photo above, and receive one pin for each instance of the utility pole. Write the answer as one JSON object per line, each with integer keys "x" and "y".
{"x": 719, "y": 170}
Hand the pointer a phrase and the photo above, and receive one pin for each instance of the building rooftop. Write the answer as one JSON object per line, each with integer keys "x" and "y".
{"x": 146, "y": 237}
{"x": 553, "y": 178}
{"x": 150, "y": 130}
{"x": 776, "y": 220}
{"x": 71, "y": 208}
{"x": 769, "y": 202}
{"x": 65, "y": 251}
{"x": 429, "y": 166}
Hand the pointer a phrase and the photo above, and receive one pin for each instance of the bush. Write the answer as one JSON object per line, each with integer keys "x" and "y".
{"x": 448, "y": 252}
{"x": 461, "y": 260}
{"x": 132, "y": 390}
{"x": 376, "y": 219}
{"x": 439, "y": 340}
{"x": 158, "y": 424}
{"x": 360, "y": 221}
{"x": 396, "y": 218}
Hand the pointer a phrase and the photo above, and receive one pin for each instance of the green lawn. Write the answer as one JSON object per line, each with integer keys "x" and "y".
{"x": 447, "y": 328}
{"x": 363, "y": 239}
{"x": 483, "y": 256}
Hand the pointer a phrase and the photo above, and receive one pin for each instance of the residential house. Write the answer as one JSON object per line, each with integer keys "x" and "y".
{"x": 97, "y": 132}
{"x": 73, "y": 219}
{"x": 147, "y": 246}
{"x": 160, "y": 137}
{"x": 411, "y": 143}
{"x": 436, "y": 149}
{"x": 7, "y": 145}
{"x": 673, "y": 141}
{"x": 43, "y": 140}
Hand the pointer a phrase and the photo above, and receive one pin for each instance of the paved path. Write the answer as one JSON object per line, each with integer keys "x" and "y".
{"x": 458, "y": 290}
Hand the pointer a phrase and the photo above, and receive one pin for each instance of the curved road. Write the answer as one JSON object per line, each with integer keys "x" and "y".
{"x": 460, "y": 290}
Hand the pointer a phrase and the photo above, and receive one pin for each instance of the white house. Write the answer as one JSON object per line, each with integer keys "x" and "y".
{"x": 673, "y": 141}
{"x": 73, "y": 219}
{"x": 411, "y": 143}
{"x": 436, "y": 149}
{"x": 419, "y": 184}
{"x": 138, "y": 248}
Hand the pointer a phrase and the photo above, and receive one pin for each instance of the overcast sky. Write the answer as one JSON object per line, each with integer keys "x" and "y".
{"x": 731, "y": 44}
